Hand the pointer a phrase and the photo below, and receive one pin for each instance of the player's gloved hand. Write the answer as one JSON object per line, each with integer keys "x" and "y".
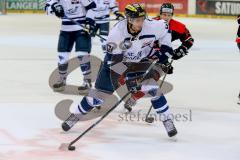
{"x": 133, "y": 80}
{"x": 118, "y": 15}
{"x": 90, "y": 26}
{"x": 179, "y": 52}
{"x": 58, "y": 10}
{"x": 167, "y": 68}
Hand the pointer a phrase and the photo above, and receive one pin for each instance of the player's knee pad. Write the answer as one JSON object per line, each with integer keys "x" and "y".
{"x": 63, "y": 57}
{"x": 85, "y": 64}
{"x": 160, "y": 104}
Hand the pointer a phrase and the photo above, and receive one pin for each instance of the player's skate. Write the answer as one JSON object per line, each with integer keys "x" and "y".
{"x": 170, "y": 128}
{"x": 60, "y": 85}
{"x": 70, "y": 122}
{"x": 86, "y": 85}
{"x": 129, "y": 104}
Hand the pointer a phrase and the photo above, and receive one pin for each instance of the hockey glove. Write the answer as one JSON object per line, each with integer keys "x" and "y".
{"x": 58, "y": 10}
{"x": 179, "y": 52}
{"x": 90, "y": 26}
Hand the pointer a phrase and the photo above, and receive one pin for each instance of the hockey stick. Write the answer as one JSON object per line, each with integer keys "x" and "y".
{"x": 151, "y": 119}
{"x": 77, "y": 23}
{"x": 70, "y": 145}
{"x": 107, "y": 20}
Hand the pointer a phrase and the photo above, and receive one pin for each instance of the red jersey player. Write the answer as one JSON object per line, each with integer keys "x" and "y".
{"x": 238, "y": 33}
{"x": 178, "y": 29}
{"x": 238, "y": 43}
{"x": 179, "y": 32}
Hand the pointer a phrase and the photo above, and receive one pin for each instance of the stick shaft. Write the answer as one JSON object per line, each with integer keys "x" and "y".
{"x": 98, "y": 35}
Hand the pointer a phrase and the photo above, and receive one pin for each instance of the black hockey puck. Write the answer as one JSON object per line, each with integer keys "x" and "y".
{"x": 149, "y": 119}
{"x": 71, "y": 148}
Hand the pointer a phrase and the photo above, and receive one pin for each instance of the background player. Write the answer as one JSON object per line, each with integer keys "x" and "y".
{"x": 238, "y": 44}
{"x": 238, "y": 33}
{"x": 179, "y": 32}
{"x": 80, "y": 11}
{"x": 131, "y": 40}
{"x": 102, "y": 17}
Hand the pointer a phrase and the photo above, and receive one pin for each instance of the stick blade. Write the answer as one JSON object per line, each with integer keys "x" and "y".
{"x": 63, "y": 147}
{"x": 149, "y": 119}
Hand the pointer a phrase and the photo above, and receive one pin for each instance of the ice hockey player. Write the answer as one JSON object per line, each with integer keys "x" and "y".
{"x": 81, "y": 12}
{"x": 102, "y": 17}
{"x": 179, "y": 32}
{"x": 131, "y": 40}
{"x": 238, "y": 44}
{"x": 238, "y": 33}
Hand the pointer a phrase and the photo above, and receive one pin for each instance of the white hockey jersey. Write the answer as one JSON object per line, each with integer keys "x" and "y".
{"x": 103, "y": 9}
{"x": 134, "y": 49}
{"x": 74, "y": 9}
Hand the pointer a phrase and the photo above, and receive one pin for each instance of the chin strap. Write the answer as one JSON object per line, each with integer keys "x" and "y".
{"x": 130, "y": 28}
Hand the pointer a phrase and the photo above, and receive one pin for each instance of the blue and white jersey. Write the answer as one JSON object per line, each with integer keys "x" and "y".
{"x": 134, "y": 49}
{"x": 77, "y": 10}
{"x": 103, "y": 9}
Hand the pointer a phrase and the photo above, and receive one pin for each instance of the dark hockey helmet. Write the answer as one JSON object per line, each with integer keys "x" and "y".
{"x": 135, "y": 11}
{"x": 167, "y": 8}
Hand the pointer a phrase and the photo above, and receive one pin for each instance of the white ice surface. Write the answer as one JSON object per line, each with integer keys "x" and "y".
{"x": 205, "y": 82}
